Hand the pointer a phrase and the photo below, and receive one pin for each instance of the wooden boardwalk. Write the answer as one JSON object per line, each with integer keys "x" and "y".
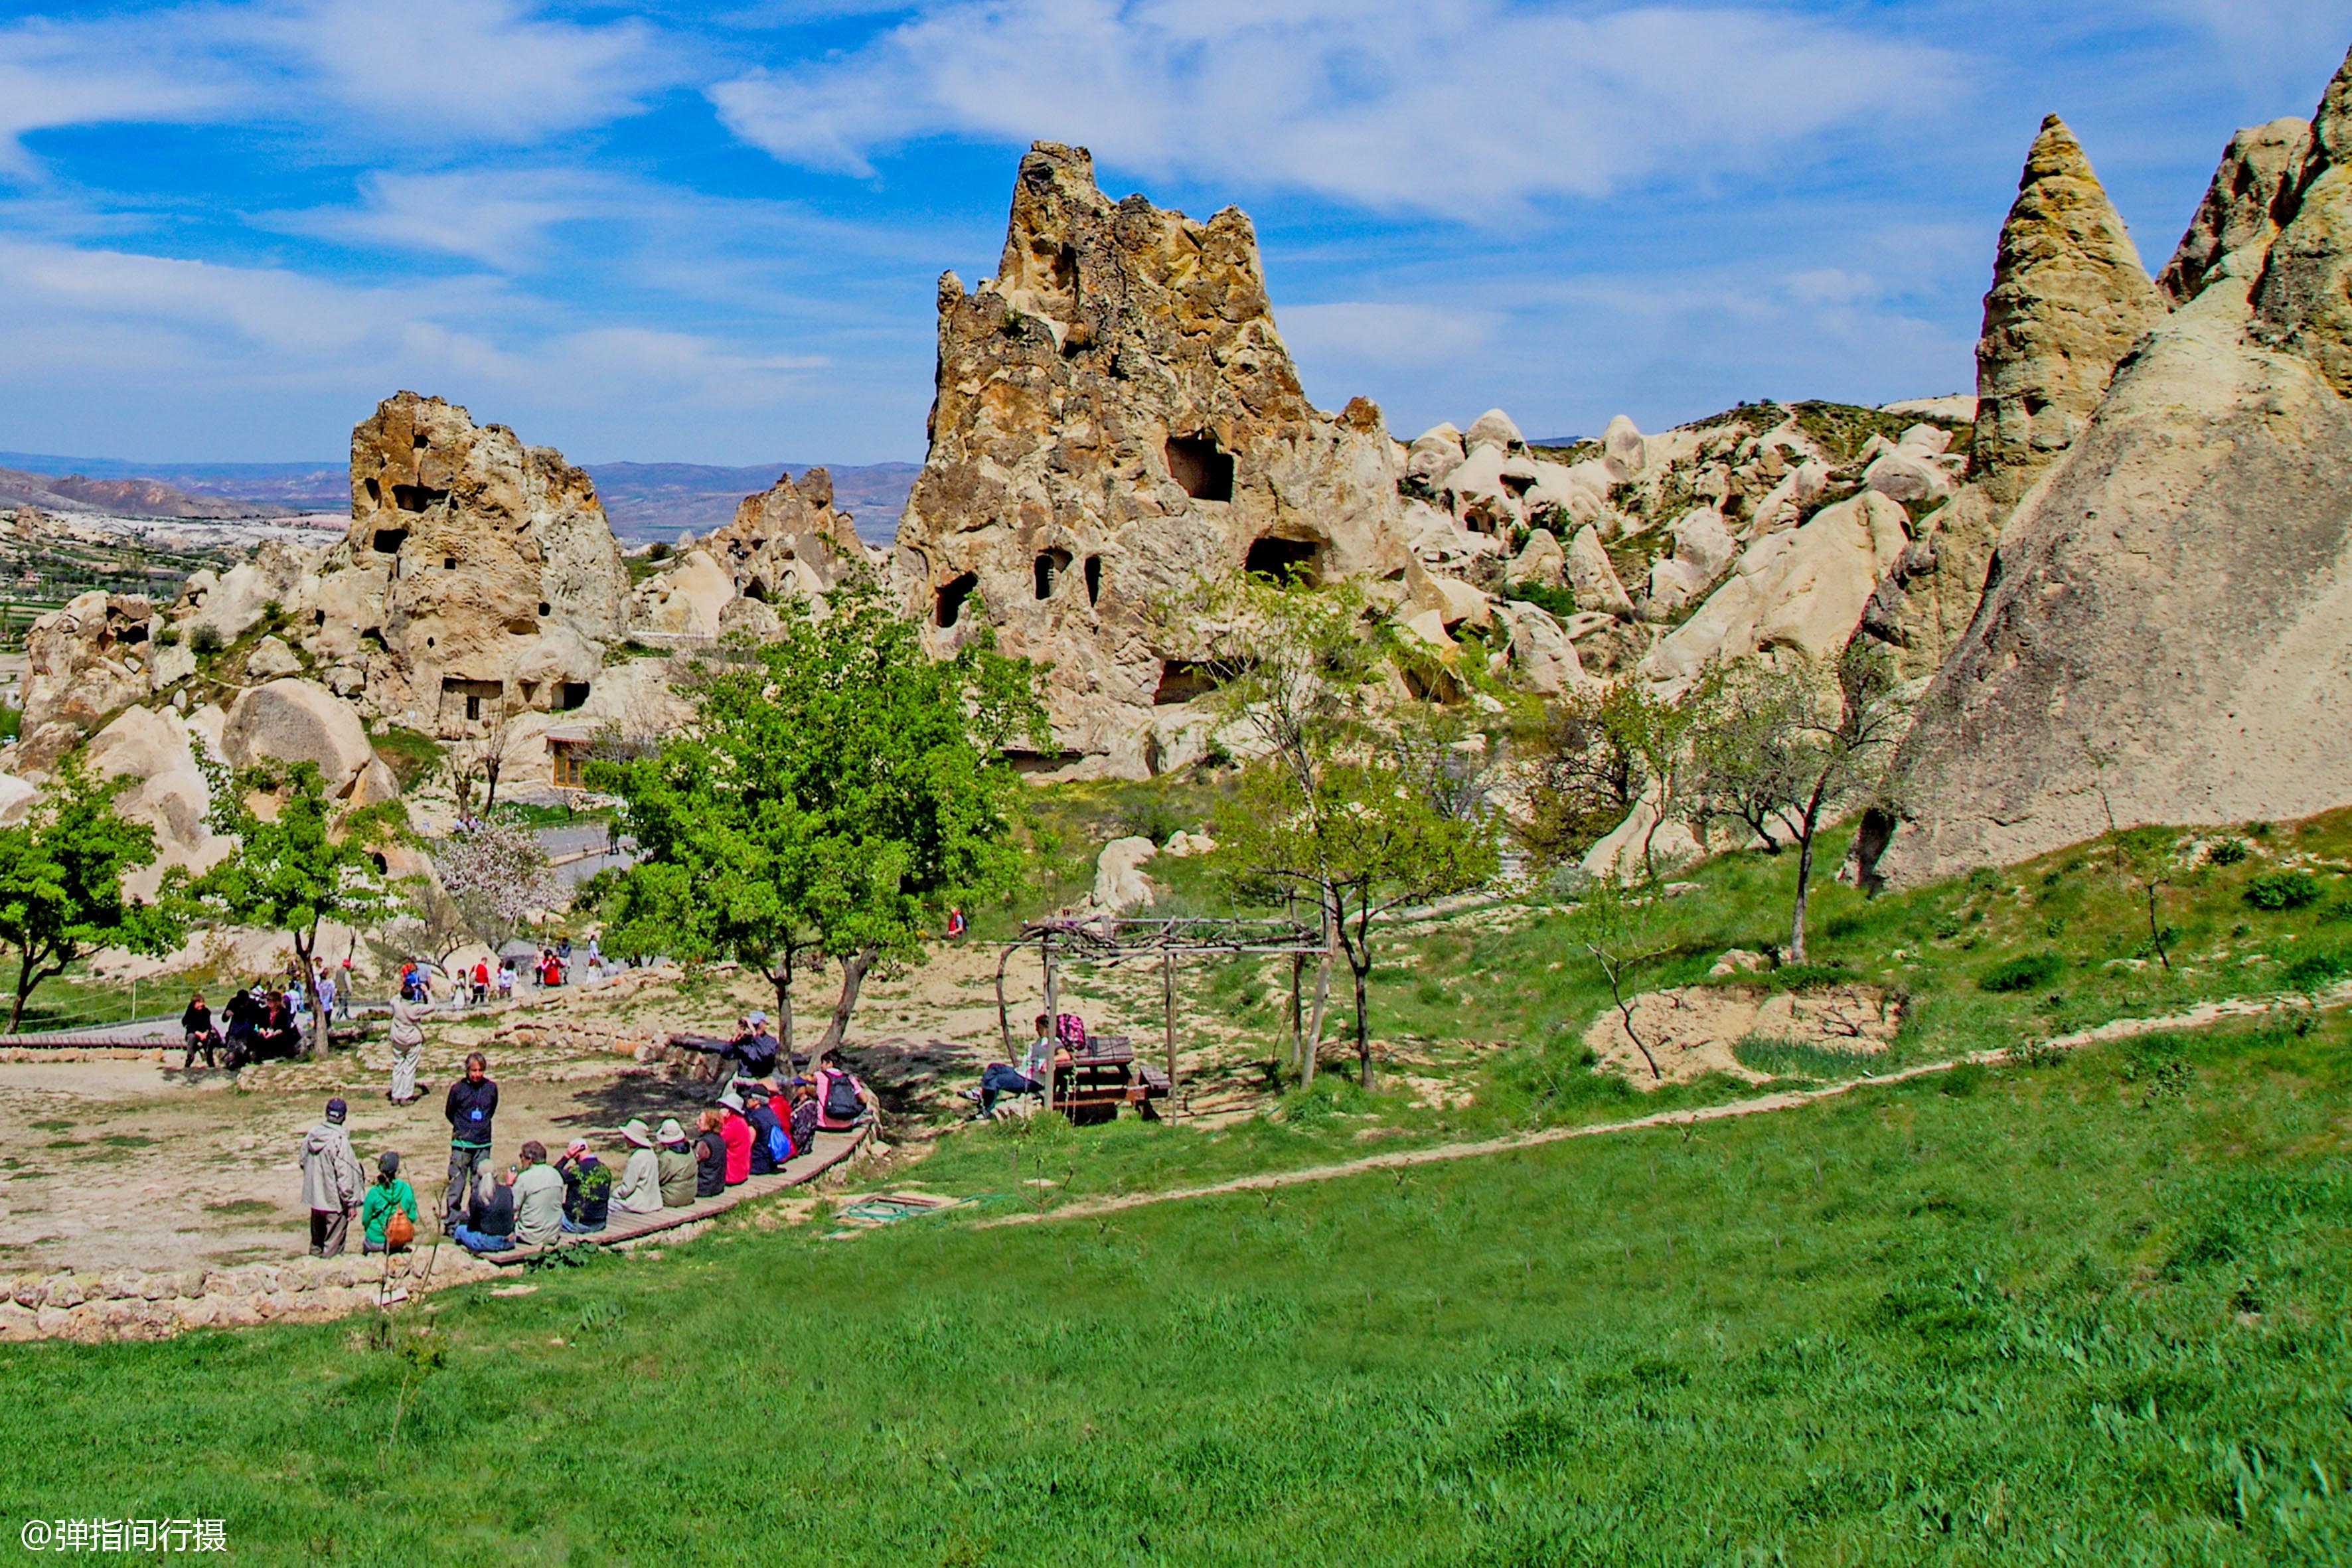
{"x": 831, "y": 1148}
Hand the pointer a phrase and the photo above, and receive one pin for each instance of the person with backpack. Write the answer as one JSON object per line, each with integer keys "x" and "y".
{"x": 331, "y": 1180}
{"x": 842, "y": 1102}
{"x": 471, "y": 1110}
{"x": 674, "y": 1157}
{"x": 772, "y": 1141}
{"x": 640, "y": 1191}
{"x": 388, "y": 1214}
{"x": 711, "y": 1156}
{"x": 805, "y": 1108}
{"x": 736, "y": 1134}
{"x": 587, "y": 1191}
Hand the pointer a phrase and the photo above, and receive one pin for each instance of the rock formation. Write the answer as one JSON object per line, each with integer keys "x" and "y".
{"x": 83, "y": 661}
{"x": 2069, "y": 299}
{"x": 788, "y": 541}
{"x": 2252, "y": 191}
{"x": 1116, "y": 417}
{"x": 2167, "y": 612}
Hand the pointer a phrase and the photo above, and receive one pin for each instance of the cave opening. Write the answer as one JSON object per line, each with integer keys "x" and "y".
{"x": 1202, "y": 468}
{"x": 1180, "y": 680}
{"x": 388, "y": 541}
{"x": 417, "y": 497}
{"x": 1047, "y": 572}
{"x": 947, "y": 606}
{"x": 1094, "y": 579}
{"x": 1279, "y": 559}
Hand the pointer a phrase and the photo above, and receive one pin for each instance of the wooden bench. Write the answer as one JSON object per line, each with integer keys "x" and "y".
{"x": 1103, "y": 1074}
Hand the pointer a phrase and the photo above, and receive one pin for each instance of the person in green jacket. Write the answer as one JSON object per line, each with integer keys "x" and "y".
{"x": 390, "y": 1193}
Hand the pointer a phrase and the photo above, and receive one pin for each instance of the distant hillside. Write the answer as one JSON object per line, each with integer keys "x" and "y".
{"x": 644, "y": 500}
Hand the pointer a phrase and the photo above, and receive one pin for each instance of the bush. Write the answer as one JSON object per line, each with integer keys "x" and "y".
{"x": 2023, "y": 972}
{"x": 167, "y": 637}
{"x": 206, "y": 640}
{"x": 2315, "y": 971}
{"x": 1155, "y": 820}
{"x": 2227, "y": 851}
{"x": 1559, "y": 602}
{"x": 2283, "y": 890}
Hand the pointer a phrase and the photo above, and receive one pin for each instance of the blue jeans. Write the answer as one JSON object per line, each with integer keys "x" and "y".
{"x": 473, "y": 1240}
{"x": 1001, "y": 1078}
{"x": 573, "y": 1227}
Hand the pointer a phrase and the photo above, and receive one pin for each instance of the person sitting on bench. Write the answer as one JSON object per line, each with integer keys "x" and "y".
{"x": 196, "y": 1029}
{"x": 489, "y": 1222}
{"x": 1029, "y": 1078}
{"x": 539, "y": 1199}
{"x": 587, "y": 1191}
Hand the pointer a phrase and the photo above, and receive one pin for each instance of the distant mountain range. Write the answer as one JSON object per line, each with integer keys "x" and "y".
{"x": 644, "y": 500}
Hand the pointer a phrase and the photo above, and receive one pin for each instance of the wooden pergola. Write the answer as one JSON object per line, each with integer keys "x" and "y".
{"x": 1108, "y": 940}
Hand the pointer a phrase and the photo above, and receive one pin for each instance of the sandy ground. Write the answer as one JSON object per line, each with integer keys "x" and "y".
{"x": 126, "y": 1161}
{"x": 1691, "y": 1030}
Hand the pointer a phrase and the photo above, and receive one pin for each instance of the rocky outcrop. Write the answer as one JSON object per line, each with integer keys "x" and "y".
{"x": 2069, "y": 299}
{"x": 82, "y": 661}
{"x": 152, "y": 749}
{"x": 2252, "y": 193}
{"x": 2304, "y": 303}
{"x": 1119, "y": 883}
{"x": 1116, "y": 417}
{"x": 787, "y": 541}
{"x": 292, "y": 721}
{"x": 2165, "y": 627}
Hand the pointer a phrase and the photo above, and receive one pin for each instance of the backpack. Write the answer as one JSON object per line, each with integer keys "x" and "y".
{"x": 1071, "y": 1030}
{"x": 779, "y": 1144}
{"x": 397, "y": 1230}
{"x": 840, "y": 1101}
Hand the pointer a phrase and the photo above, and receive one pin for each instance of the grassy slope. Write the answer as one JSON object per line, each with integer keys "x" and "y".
{"x": 2086, "y": 1312}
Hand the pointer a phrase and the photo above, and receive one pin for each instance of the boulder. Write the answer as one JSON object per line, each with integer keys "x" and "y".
{"x": 293, "y": 721}
{"x": 786, "y": 543}
{"x": 687, "y": 598}
{"x": 2069, "y": 299}
{"x": 168, "y": 792}
{"x": 1432, "y": 455}
{"x": 1493, "y": 428}
{"x": 1541, "y": 560}
{"x": 83, "y": 661}
{"x": 278, "y": 573}
{"x": 1625, "y": 443}
{"x": 1592, "y": 579}
{"x": 1120, "y": 882}
{"x": 270, "y": 659}
{"x": 1804, "y": 590}
{"x": 1544, "y": 654}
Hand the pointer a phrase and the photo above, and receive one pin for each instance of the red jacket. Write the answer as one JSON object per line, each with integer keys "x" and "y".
{"x": 736, "y": 1134}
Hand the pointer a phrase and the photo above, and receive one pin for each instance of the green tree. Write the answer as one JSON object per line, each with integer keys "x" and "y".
{"x": 1798, "y": 745}
{"x": 1616, "y": 919}
{"x": 836, "y": 790}
{"x": 1359, "y": 817}
{"x": 297, "y": 864}
{"x": 1614, "y": 749}
{"x": 61, "y": 872}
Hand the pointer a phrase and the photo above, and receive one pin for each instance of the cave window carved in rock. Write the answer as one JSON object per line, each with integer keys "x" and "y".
{"x": 1094, "y": 579}
{"x": 1279, "y": 559}
{"x": 417, "y": 497}
{"x": 1180, "y": 680}
{"x": 477, "y": 698}
{"x": 571, "y": 694}
{"x": 388, "y": 541}
{"x": 1201, "y": 468}
{"x": 756, "y": 589}
{"x": 375, "y": 493}
{"x": 948, "y": 604}
{"x": 1048, "y": 572}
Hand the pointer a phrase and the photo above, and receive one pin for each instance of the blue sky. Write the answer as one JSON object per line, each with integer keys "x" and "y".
{"x": 712, "y": 232}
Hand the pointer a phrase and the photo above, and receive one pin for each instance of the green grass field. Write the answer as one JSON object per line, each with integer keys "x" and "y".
{"x": 2091, "y": 1311}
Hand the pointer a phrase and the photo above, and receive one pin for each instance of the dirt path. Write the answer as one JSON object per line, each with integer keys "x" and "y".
{"x": 2199, "y": 1016}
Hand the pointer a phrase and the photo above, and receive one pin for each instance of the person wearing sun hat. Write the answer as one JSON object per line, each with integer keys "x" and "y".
{"x": 676, "y": 1156}
{"x": 736, "y": 1132}
{"x": 640, "y": 1190}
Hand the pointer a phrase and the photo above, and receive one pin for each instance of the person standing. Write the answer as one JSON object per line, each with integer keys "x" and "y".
{"x": 537, "y": 1199}
{"x": 326, "y": 980}
{"x": 407, "y": 1050}
{"x": 471, "y": 1110}
{"x": 390, "y": 1194}
{"x": 331, "y": 1181}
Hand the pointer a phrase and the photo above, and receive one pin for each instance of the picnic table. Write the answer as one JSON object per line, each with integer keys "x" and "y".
{"x": 1102, "y": 1075}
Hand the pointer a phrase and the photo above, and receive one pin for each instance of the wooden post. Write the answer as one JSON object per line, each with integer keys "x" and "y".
{"x": 1168, "y": 1000}
{"x": 1052, "y": 1011}
{"x": 1297, "y": 1020}
{"x": 1004, "y": 1023}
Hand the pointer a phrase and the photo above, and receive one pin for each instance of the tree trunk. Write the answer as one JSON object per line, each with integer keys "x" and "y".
{"x": 853, "y": 976}
{"x": 782, "y": 980}
{"x": 1804, "y": 887}
{"x": 26, "y": 981}
{"x": 1363, "y": 1022}
{"x": 302, "y": 948}
{"x": 1312, "y": 1048}
{"x": 490, "y": 778}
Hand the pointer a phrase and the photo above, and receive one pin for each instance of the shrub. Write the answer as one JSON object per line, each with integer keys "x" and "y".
{"x": 2023, "y": 972}
{"x": 206, "y": 640}
{"x": 1153, "y": 819}
{"x": 167, "y": 637}
{"x": 1963, "y": 1080}
{"x": 2227, "y": 851}
{"x": 2283, "y": 890}
{"x": 1803, "y": 976}
{"x": 2315, "y": 971}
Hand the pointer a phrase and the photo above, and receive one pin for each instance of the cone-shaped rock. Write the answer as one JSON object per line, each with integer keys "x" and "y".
{"x": 2252, "y": 193}
{"x": 2305, "y": 302}
{"x": 2069, "y": 299}
{"x": 1115, "y": 416}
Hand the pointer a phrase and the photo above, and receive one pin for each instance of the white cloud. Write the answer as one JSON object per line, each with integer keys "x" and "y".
{"x": 54, "y": 75}
{"x": 1367, "y": 332}
{"x": 1468, "y": 108}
